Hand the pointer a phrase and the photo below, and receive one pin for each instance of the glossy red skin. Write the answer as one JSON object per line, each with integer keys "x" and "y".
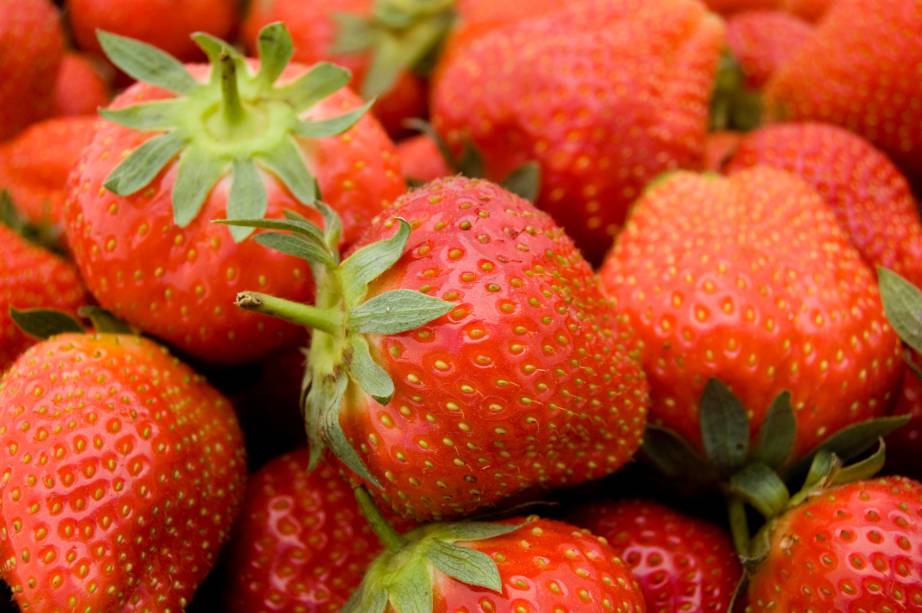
{"x": 31, "y": 49}
{"x": 853, "y": 548}
{"x": 605, "y": 96}
{"x": 761, "y": 41}
{"x": 179, "y": 284}
{"x": 546, "y": 566}
{"x": 871, "y": 199}
{"x": 35, "y": 165}
{"x": 421, "y": 160}
{"x": 31, "y": 277}
{"x": 166, "y": 24}
{"x": 80, "y": 88}
{"x": 681, "y": 563}
{"x": 136, "y": 468}
{"x": 527, "y": 383}
{"x": 903, "y": 456}
{"x": 749, "y": 279}
{"x": 859, "y": 71}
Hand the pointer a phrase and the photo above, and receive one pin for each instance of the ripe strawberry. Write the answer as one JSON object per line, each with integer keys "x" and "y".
{"x": 604, "y": 96}
{"x": 859, "y": 71}
{"x": 80, "y": 88}
{"x": 421, "y": 159}
{"x": 681, "y": 563}
{"x": 166, "y": 24}
{"x": 125, "y": 470}
{"x": 35, "y": 174}
{"x": 871, "y": 199}
{"x": 857, "y": 547}
{"x": 150, "y": 252}
{"x": 516, "y": 377}
{"x": 751, "y": 281}
{"x": 719, "y": 148}
{"x": 761, "y": 41}
{"x": 31, "y": 49}
{"x": 31, "y": 277}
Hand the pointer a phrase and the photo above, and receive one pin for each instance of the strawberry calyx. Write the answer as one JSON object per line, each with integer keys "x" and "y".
{"x": 237, "y": 122}
{"x": 903, "y": 308}
{"x": 401, "y": 35}
{"x": 45, "y": 323}
{"x": 734, "y": 106}
{"x": 44, "y": 234}
{"x": 403, "y": 576}
{"x": 340, "y": 359}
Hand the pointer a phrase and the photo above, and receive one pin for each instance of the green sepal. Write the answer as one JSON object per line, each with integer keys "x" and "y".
{"x": 275, "y": 52}
{"x": 247, "y": 199}
{"x": 910, "y": 363}
{"x": 354, "y": 33}
{"x": 296, "y": 225}
{"x": 331, "y": 431}
{"x": 760, "y": 487}
{"x": 146, "y": 63}
{"x": 470, "y": 162}
{"x": 143, "y": 164}
{"x": 466, "y": 565}
{"x": 396, "y": 311}
{"x": 474, "y": 530}
{"x": 44, "y": 323}
{"x": 673, "y": 457}
{"x": 525, "y": 181}
{"x": 777, "y": 433}
{"x": 298, "y": 246}
{"x": 332, "y": 225}
{"x": 903, "y": 306}
{"x": 286, "y": 163}
{"x": 413, "y": 593}
{"x": 366, "y": 600}
{"x": 724, "y": 427}
{"x": 733, "y": 105}
{"x": 865, "y": 469}
{"x": 331, "y": 127}
{"x": 156, "y": 115}
{"x": 104, "y": 321}
{"x": 215, "y": 49}
{"x": 367, "y": 373}
{"x": 371, "y": 261}
{"x": 313, "y": 86}
{"x": 197, "y": 174}
{"x": 45, "y": 234}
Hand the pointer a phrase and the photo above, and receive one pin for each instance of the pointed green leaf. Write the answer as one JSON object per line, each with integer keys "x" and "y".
{"x": 673, "y": 457}
{"x": 312, "y": 407}
{"x": 777, "y": 434}
{"x": 468, "y": 566}
{"x": 146, "y": 63}
{"x": 724, "y": 426}
{"x": 852, "y": 441}
{"x": 915, "y": 368}
{"x": 761, "y": 488}
{"x": 332, "y": 225}
{"x": 247, "y": 197}
{"x": 198, "y": 173}
{"x": 156, "y": 115}
{"x": 354, "y": 33}
{"x": 331, "y": 127}
{"x": 44, "y": 323}
{"x": 367, "y": 373}
{"x": 525, "y": 181}
{"x": 310, "y": 88}
{"x": 412, "y": 593}
{"x": 143, "y": 164}
{"x": 332, "y": 432}
{"x": 214, "y": 48}
{"x": 275, "y": 51}
{"x": 474, "y": 531}
{"x": 371, "y": 261}
{"x": 366, "y": 600}
{"x": 387, "y": 62}
{"x": 104, "y": 321}
{"x": 297, "y": 246}
{"x": 903, "y": 306}
{"x": 470, "y": 162}
{"x": 865, "y": 469}
{"x": 286, "y": 163}
{"x": 298, "y": 226}
{"x": 396, "y": 311}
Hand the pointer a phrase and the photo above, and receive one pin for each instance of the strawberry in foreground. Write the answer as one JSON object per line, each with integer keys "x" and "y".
{"x": 681, "y": 563}
{"x": 531, "y": 565}
{"x": 463, "y": 354}
{"x": 230, "y": 142}
{"x": 125, "y": 473}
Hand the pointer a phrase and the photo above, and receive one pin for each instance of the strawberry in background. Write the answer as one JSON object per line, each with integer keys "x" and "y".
{"x": 761, "y": 41}
{"x": 809, "y": 10}
{"x": 81, "y": 87}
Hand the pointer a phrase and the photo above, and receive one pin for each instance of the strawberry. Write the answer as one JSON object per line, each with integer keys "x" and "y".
{"x": 751, "y": 281}
{"x": 872, "y": 89}
{"x": 681, "y": 563}
{"x": 142, "y": 202}
{"x": 857, "y": 547}
{"x": 31, "y": 277}
{"x": 125, "y": 470}
{"x": 809, "y": 10}
{"x": 166, "y": 24}
{"x": 31, "y": 49}
{"x": 871, "y": 199}
{"x": 81, "y": 88}
{"x": 761, "y": 41}
{"x": 604, "y": 96}
{"x": 903, "y": 445}
{"x": 421, "y": 159}
{"x": 521, "y": 564}
{"x": 484, "y": 364}
{"x": 719, "y": 148}
{"x": 35, "y": 174}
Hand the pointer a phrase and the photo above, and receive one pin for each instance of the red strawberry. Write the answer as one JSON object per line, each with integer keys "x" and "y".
{"x": 719, "y": 148}
{"x": 31, "y": 49}
{"x": 166, "y": 24}
{"x": 859, "y": 71}
{"x": 31, "y": 277}
{"x": 80, "y": 88}
{"x": 35, "y": 172}
{"x": 751, "y": 281}
{"x": 857, "y": 547}
{"x": 517, "y": 377}
{"x": 150, "y": 252}
{"x": 761, "y": 41}
{"x": 605, "y": 96}
{"x": 124, "y": 472}
{"x": 681, "y": 563}
{"x": 421, "y": 159}
{"x": 871, "y": 199}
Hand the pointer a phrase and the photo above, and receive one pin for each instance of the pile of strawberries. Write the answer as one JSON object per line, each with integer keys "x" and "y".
{"x": 417, "y": 306}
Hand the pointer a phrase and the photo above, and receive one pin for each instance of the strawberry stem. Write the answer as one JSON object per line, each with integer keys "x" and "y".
{"x": 390, "y": 538}
{"x": 230, "y": 94}
{"x": 739, "y": 525}
{"x": 324, "y": 320}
